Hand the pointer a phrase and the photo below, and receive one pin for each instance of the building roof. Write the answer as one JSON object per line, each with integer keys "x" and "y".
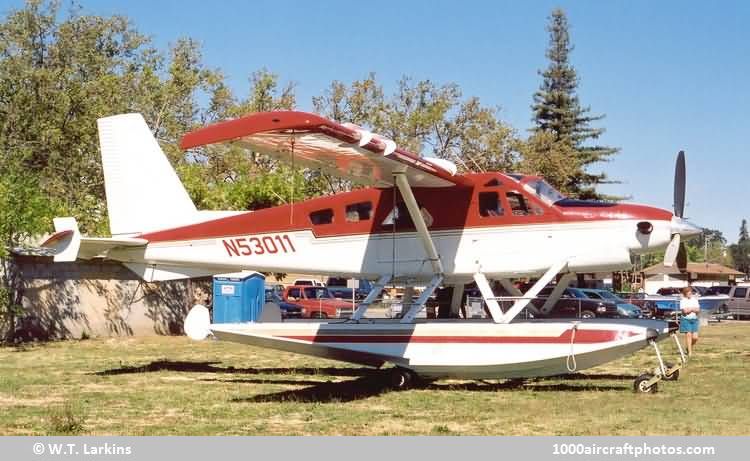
{"x": 696, "y": 268}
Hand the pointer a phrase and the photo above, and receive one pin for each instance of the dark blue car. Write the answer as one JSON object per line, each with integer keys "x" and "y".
{"x": 288, "y": 310}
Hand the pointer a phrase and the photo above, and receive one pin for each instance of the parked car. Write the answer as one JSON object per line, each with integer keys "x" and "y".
{"x": 288, "y": 310}
{"x": 738, "y": 303}
{"x": 641, "y": 300}
{"x": 718, "y": 290}
{"x": 338, "y": 288}
{"x": 308, "y": 283}
{"x": 676, "y": 291}
{"x": 573, "y": 304}
{"x": 711, "y": 306}
{"x": 317, "y": 302}
{"x": 624, "y": 308}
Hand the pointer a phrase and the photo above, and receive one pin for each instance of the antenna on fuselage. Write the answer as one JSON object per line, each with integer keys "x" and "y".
{"x": 291, "y": 201}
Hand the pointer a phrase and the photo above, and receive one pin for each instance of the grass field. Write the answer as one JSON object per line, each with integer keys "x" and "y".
{"x": 170, "y": 385}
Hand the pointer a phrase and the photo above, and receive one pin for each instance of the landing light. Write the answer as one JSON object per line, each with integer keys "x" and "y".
{"x": 645, "y": 227}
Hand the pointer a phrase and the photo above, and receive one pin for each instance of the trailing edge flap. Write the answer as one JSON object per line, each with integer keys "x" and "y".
{"x": 68, "y": 245}
{"x": 162, "y": 272}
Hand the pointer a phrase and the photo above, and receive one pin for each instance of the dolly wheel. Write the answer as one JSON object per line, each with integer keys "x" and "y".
{"x": 402, "y": 378}
{"x": 674, "y": 376}
{"x": 641, "y": 384}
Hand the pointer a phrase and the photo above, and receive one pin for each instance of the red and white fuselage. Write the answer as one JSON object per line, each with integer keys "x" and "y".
{"x": 292, "y": 238}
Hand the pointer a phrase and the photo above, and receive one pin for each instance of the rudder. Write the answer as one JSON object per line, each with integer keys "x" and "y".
{"x": 143, "y": 190}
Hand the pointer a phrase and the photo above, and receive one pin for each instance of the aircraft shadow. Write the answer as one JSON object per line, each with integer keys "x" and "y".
{"x": 370, "y": 386}
{"x": 211, "y": 367}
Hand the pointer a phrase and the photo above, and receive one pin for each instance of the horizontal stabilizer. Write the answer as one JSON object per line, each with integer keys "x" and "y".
{"x": 68, "y": 245}
{"x": 163, "y": 272}
{"x": 66, "y": 241}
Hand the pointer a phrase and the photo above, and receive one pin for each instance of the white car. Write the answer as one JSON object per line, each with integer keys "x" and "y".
{"x": 309, "y": 283}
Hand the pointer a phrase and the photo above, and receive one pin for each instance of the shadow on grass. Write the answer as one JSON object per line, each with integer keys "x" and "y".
{"x": 367, "y": 382}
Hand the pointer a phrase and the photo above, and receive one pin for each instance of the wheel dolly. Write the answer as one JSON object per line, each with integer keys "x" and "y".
{"x": 648, "y": 383}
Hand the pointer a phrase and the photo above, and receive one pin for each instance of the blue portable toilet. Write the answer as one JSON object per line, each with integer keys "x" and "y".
{"x": 238, "y": 297}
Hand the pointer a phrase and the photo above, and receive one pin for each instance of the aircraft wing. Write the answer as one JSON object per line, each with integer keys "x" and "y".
{"x": 343, "y": 150}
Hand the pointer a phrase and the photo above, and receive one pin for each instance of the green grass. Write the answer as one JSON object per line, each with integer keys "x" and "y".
{"x": 171, "y": 385}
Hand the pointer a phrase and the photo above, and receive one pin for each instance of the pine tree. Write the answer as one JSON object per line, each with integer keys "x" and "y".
{"x": 741, "y": 250}
{"x": 557, "y": 110}
{"x": 743, "y": 232}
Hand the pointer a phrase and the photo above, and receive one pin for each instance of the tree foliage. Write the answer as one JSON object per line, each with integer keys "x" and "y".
{"x": 557, "y": 110}
{"x": 426, "y": 118}
{"x": 24, "y": 212}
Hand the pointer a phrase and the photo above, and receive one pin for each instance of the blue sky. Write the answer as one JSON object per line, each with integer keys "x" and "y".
{"x": 669, "y": 75}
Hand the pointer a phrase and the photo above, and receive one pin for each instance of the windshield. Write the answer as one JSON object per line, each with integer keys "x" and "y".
{"x": 576, "y": 293}
{"x": 544, "y": 191}
{"x": 609, "y": 295}
{"x": 317, "y": 293}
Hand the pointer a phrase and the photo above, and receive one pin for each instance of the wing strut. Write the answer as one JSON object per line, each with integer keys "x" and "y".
{"x": 418, "y": 220}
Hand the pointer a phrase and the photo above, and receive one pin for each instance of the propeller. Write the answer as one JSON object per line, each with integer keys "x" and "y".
{"x": 676, "y": 251}
{"x": 679, "y": 185}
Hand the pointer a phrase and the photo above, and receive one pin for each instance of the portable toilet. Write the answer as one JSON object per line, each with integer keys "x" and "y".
{"x": 238, "y": 297}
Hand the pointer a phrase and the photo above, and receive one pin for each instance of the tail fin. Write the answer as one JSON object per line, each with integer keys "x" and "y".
{"x": 143, "y": 190}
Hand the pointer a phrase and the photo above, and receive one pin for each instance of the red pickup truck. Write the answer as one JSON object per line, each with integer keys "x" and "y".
{"x": 317, "y": 302}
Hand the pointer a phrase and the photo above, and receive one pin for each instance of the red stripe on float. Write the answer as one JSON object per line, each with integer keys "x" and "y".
{"x": 582, "y": 337}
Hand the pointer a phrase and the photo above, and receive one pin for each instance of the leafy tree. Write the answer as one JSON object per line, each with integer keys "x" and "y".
{"x": 228, "y": 177}
{"x": 24, "y": 213}
{"x": 557, "y": 110}
{"x": 60, "y": 72}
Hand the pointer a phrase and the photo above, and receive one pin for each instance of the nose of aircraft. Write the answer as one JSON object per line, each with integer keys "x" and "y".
{"x": 685, "y": 228}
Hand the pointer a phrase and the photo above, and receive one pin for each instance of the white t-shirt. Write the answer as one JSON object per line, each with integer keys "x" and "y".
{"x": 687, "y": 304}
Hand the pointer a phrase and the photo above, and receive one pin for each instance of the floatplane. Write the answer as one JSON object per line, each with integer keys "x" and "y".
{"x": 416, "y": 223}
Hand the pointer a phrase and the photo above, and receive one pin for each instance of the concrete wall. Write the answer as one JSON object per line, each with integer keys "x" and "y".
{"x": 85, "y": 298}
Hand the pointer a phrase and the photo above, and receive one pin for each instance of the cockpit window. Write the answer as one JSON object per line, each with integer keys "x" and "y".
{"x": 544, "y": 191}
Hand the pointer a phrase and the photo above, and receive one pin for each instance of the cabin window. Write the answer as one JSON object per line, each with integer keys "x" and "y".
{"x": 489, "y": 204}
{"x": 402, "y": 217}
{"x": 399, "y": 216}
{"x": 740, "y": 292}
{"x": 322, "y": 216}
{"x": 517, "y": 204}
{"x": 294, "y": 293}
{"x": 361, "y": 211}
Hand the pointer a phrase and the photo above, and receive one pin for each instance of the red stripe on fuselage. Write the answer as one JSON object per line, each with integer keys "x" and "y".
{"x": 581, "y": 337}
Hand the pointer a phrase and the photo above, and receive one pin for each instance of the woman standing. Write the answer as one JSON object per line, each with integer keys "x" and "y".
{"x": 689, "y": 321}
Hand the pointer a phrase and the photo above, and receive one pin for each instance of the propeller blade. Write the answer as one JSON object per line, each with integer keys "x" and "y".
{"x": 679, "y": 185}
{"x": 670, "y": 256}
{"x": 682, "y": 259}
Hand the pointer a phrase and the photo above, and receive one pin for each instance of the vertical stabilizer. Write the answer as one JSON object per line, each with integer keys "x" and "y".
{"x": 143, "y": 190}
